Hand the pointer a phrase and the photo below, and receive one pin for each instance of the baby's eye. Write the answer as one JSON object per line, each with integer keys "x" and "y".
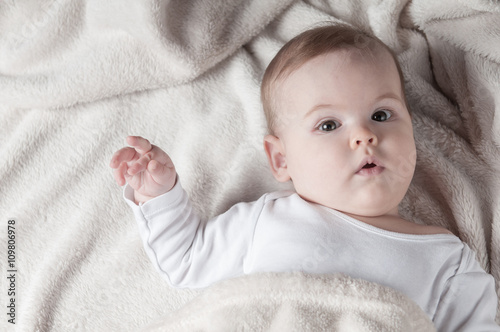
{"x": 329, "y": 125}
{"x": 381, "y": 116}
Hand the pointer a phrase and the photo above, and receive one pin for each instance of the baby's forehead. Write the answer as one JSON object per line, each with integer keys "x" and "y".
{"x": 375, "y": 56}
{"x": 336, "y": 59}
{"x": 348, "y": 56}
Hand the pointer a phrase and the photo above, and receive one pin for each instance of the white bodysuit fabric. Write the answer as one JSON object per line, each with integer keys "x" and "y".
{"x": 281, "y": 232}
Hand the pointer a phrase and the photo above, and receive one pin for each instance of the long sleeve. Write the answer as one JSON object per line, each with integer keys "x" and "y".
{"x": 469, "y": 300}
{"x": 187, "y": 251}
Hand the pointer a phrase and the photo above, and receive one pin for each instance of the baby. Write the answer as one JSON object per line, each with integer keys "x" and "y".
{"x": 341, "y": 131}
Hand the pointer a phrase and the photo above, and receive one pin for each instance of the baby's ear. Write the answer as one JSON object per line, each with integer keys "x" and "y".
{"x": 276, "y": 156}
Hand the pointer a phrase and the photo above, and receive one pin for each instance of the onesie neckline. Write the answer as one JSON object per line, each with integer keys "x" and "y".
{"x": 380, "y": 231}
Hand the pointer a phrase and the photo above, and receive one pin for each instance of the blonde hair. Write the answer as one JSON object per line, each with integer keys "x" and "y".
{"x": 308, "y": 45}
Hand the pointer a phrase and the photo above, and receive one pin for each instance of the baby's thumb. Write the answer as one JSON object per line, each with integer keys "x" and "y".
{"x": 161, "y": 174}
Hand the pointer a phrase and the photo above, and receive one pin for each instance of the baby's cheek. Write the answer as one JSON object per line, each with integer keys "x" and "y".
{"x": 406, "y": 165}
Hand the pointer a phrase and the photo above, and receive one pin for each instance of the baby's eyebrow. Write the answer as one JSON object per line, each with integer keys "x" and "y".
{"x": 319, "y": 107}
{"x": 389, "y": 95}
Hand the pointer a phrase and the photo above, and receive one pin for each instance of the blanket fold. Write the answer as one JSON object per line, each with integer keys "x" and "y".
{"x": 114, "y": 48}
{"x": 297, "y": 302}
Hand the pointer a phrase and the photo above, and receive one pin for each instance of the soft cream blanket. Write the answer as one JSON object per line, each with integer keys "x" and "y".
{"x": 297, "y": 302}
{"x": 76, "y": 77}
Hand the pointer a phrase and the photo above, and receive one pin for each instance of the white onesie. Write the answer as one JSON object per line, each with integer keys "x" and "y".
{"x": 282, "y": 232}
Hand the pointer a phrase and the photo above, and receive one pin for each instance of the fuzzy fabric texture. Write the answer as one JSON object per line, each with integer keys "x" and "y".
{"x": 77, "y": 77}
{"x": 291, "y": 302}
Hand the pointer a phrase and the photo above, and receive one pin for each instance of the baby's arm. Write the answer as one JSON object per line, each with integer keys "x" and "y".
{"x": 185, "y": 250}
{"x": 145, "y": 167}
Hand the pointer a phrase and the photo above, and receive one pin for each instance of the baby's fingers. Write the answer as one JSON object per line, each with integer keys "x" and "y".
{"x": 123, "y": 155}
{"x": 119, "y": 174}
{"x": 140, "y": 165}
{"x": 140, "y": 144}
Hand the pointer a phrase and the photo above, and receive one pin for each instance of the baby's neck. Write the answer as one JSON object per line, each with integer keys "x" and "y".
{"x": 394, "y": 223}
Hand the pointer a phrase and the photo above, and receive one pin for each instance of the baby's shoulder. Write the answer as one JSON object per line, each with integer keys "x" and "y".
{"x": 277, "y": 195}
{"x": 264, "y": 200}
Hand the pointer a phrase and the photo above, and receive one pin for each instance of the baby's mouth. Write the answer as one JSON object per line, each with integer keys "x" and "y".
{"x": 370, "y": 165}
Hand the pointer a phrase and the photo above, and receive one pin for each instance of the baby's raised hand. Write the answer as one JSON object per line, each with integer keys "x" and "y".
{"x": 145, "y": 167}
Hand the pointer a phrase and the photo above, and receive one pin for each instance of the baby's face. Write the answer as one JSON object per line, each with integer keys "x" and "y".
{"x": 344, "y": 134}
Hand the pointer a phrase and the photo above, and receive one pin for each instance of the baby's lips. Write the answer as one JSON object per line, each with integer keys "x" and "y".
{"x": 367, "y": 161}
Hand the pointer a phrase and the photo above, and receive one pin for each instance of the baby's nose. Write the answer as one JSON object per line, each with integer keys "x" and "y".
{"x": 369, "y": 140}
{"x": 364, "y": 136}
